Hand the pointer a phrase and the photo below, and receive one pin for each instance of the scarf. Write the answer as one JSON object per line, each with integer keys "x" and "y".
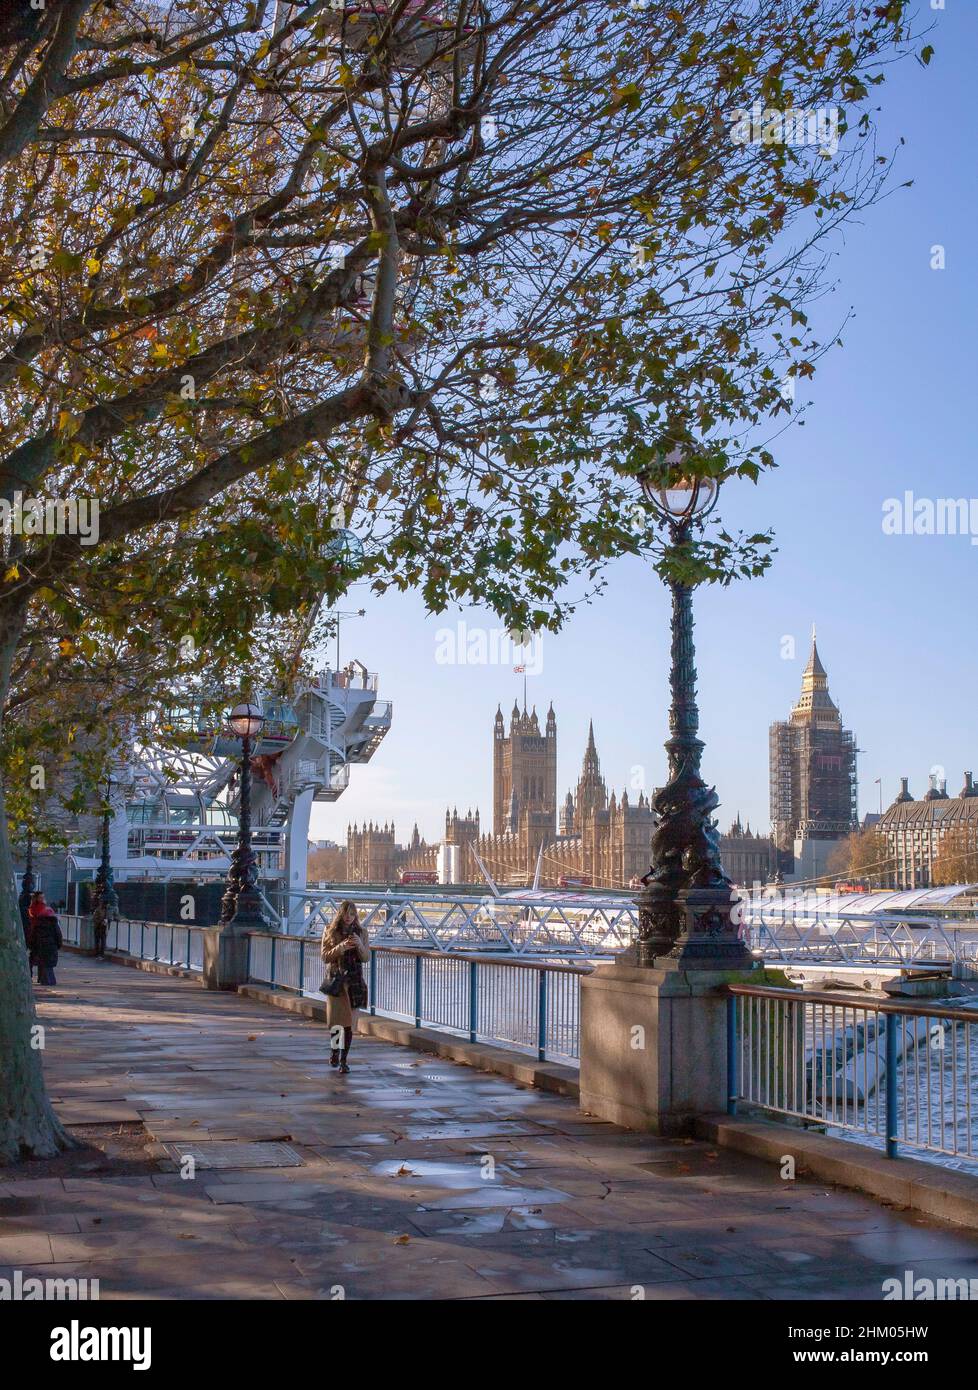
{"x": 353, "y": 978}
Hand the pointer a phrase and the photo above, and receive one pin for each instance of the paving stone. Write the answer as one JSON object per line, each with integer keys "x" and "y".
{"x": 25, "y": 1247}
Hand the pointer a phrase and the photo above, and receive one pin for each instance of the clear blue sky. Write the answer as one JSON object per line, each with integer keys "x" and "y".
{"x": 894, "y": 409}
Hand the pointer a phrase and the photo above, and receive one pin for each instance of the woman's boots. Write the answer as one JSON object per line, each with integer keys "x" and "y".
{"x": 337, "y": 1057}
{"x": 347, "y": 1039}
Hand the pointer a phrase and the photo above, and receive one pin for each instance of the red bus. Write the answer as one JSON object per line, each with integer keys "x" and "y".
{"x": 565, "y": 881}
{"x": 418, "y": 876}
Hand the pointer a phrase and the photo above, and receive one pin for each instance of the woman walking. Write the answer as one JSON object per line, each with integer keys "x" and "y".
{"x": 38, "y": 905}
{"x": 46, "y": 942}
{"x": 344, "y": 949}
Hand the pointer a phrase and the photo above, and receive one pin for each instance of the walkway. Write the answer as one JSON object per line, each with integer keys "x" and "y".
{"x": 419, "y": 1178}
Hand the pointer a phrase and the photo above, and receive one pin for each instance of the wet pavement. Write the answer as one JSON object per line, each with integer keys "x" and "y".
{"x": 419, "y": 1178}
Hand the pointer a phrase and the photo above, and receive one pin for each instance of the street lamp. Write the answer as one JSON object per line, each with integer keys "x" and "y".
{"x": 27, "y": 883}
{"x": 684, "y": 909}
{"x": 241, "y": 905}
{"x": 104, "y": 894}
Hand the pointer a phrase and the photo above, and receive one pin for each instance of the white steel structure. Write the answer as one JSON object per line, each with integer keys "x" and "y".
{"x": 175, "y": 808}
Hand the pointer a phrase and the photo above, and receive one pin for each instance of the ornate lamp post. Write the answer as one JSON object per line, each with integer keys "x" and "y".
{"x": 241, "y": 905}
{"x": 27, "y": 882}
{"x": 684, "y": 909}
{"x": 104, "y": 895}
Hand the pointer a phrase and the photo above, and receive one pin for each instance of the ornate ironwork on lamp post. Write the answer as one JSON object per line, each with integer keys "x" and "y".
{"x": 27, "y": 882}
{"x": 241, "y": 905}
{"x": 685, "y": 906}
{"x": 104, "y": 895}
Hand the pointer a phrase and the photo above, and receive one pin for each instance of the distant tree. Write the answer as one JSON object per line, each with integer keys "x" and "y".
{"x": 448, "y": 274}
{"x": 861, "y": 856}
{"x": 328, "y": 865}
{"x": 956, "y": 860}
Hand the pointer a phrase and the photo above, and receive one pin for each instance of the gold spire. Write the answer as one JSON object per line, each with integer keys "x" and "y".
{"x": 815, "y": 704}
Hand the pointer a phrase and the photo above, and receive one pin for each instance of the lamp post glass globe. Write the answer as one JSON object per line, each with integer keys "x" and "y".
{"x": 246, "y": 720}
{"x": 681, "y": 499}
{"x": 345, "y": 547}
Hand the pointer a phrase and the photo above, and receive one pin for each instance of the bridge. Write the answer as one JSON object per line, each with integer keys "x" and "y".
{"x": 789, "y": 930}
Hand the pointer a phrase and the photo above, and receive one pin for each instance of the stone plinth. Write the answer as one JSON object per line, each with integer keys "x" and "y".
{"x": 86, "y": 936}
{"x": 225, "y": 957}
{"x": 654, "y": 1044}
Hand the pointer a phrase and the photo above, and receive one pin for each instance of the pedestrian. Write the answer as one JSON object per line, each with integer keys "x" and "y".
{"x": 344, "y": 950}
{"x": 36, "y": 907}
{"x": 100, "y": 927}
{"x": 46, "y": 942}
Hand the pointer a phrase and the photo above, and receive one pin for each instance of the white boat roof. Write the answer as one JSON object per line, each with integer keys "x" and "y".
{"x": 829, "y": 904}
{"x": 556, "y": 897}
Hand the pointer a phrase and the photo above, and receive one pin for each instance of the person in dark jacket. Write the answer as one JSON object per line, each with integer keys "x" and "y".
{"x": 100, "y": 928}
{"x": 46, "y": 942}
{"x": 38, "y": 905}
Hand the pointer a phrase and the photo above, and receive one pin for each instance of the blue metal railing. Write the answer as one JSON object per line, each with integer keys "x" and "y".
{"x": 167, "y": 942}
{"x": 527, "y": 1005}
{"x": 893, "y": 1073}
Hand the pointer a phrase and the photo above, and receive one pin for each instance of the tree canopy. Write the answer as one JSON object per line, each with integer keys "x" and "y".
{"x": 451, "y": 275}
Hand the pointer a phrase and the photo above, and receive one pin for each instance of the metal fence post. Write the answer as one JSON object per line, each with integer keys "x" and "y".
{"x": 892, "y": 1149}
{"x": 248, "y": 956}
{"x": 302, "y": 966}
{"x": 542, "y": 1016}
{"x": 272, "y": 967}
{"x": 473, "y": 1001}
{"x": 156, "y": 943}
{"x": 417, "y": 991}
{"x": 373, "y": 981}
{"x": 733, "y": 1080}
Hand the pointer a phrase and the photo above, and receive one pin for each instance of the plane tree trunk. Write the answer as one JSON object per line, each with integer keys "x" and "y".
{"x": 29, "y": 1127}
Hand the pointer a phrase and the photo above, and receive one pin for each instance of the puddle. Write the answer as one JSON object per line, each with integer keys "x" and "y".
{"x": 452, "y": 1175}
{"x": 497, "y": 1196}
{"x": 460, "y": 1131}
{"x": 526, "y": 1219}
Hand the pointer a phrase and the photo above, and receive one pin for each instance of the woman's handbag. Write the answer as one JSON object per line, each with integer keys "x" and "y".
{"x": 333, "y": 984}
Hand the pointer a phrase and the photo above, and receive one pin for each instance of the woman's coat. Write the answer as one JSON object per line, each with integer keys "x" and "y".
{"x": 339, "y": 1014}
{"x": 46, "y": 939}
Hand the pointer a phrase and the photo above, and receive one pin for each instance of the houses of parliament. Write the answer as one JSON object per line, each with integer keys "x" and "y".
{"x": 591, "y": 837}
